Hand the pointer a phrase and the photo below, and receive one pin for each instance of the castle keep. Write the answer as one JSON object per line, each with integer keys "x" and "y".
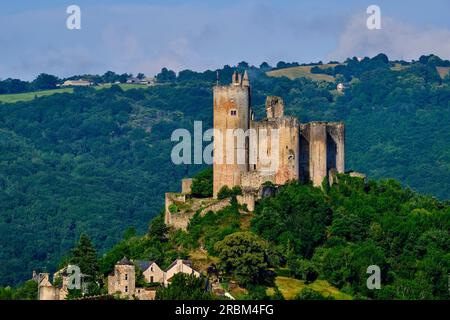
{"x": 306, "y": 151}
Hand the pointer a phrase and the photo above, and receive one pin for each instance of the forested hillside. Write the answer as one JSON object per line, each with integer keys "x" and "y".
{"x": 92, "y": 162}
{"x": 300, "y": 243}
{"x": 97, "y": 162}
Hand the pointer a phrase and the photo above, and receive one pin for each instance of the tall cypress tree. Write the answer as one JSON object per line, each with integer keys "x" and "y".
{"x": 84, "y": 255}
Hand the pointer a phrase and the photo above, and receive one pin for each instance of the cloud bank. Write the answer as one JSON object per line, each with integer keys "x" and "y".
{"x": 199, "y": 35}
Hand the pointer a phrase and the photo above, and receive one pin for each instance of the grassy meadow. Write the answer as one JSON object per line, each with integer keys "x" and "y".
{"x": 302, "y": 71}
{"x": 290, "y": 287}
{"x": 27, "y": 96}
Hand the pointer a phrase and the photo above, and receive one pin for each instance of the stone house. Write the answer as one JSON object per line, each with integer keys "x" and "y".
{"x": 46, "y": 291}
{"x": 151, "y": 271}
{"x": 60, "y": 287}
{"x": 123, "y": 280}
{"x": 179, "y": 266}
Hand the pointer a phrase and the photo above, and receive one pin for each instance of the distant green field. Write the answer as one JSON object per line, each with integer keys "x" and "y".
{"x": 303, "y": 71}
{"x": 290, "y": 287}
{"x": 27, "y": 96}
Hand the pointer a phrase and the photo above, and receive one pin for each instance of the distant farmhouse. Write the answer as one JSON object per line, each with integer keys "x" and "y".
{"x": 77, "y": 83}
{"x": 145, "y": 81}
{"x": 342, "y": 87}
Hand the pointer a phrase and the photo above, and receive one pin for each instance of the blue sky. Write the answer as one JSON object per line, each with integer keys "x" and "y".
{"x": 144, "y": 36}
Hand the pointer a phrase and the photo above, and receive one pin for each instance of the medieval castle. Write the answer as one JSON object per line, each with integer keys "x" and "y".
{"x": 310, "y": 151}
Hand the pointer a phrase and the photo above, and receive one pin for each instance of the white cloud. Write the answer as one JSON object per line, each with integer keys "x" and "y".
{"x": 396, "y": 39}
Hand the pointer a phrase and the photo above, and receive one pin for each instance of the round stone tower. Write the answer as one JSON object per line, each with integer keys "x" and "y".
{"x": 232, "y": 115}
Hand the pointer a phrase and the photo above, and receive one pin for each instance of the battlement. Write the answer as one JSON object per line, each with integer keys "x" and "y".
{"x": 274, "y": 107}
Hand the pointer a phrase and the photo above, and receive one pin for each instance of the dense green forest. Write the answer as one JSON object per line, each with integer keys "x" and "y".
{"x": 98, "y": 162}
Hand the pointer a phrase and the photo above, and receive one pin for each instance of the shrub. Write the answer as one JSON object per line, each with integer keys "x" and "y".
{"x": 309, "y": 294}
{"x": 226, "y": 192}
{"x": 202, "y": 184}
{"x": 243, "y": 255}
{"x": 173, "y": 208}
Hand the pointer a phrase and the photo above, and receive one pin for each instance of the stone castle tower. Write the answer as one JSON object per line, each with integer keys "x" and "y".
{"x": 123, "y": 278}
{"x": 305, "y": 151}
{"x": 232, "y": 110}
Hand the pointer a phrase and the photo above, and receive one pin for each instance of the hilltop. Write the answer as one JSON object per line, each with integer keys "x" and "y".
{"x": 304, "y": 243}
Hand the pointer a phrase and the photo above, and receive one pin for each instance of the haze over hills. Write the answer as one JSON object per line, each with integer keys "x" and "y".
{"x": 98, "y": 161}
